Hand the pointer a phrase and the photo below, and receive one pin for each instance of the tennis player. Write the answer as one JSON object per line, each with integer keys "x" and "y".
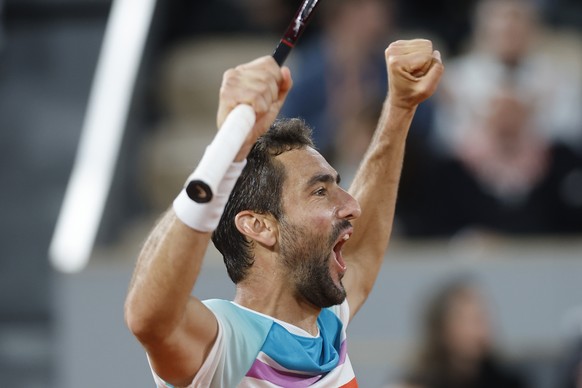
{"x": 303, "y": 253}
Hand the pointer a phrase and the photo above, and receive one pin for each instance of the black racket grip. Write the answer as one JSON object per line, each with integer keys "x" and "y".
{"x": 282, "y": 52}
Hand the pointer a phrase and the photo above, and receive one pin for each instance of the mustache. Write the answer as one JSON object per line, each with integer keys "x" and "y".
{"x": 338, "y": 229}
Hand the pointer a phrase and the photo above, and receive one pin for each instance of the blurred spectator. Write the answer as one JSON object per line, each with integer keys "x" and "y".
{"x": 448, "y": 19}
{"x": 456, "y": 348}
{"x": 508, "y": 134}
{"x": 341, "y": 72}
{"x": 505, "y": 50}
{"x": 428, "y": 16}
{"x": 503, "y": 177}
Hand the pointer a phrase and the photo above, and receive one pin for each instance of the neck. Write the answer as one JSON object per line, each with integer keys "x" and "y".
{"x": 272, "y": 296}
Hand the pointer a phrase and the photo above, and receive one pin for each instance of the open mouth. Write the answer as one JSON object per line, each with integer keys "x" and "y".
{"x": 337, "y": 250}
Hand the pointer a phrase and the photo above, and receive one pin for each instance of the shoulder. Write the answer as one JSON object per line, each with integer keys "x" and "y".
{"x": 235, "y": 318}
{"x": 242, "y": 335}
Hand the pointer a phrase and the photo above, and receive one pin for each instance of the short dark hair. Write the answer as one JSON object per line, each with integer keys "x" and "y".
{"x": 258, "y": 189}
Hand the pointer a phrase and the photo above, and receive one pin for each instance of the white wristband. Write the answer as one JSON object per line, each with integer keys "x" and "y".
{"x": 204, "y": 217}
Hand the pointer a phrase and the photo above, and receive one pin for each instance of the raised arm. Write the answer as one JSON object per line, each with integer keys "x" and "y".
{"x": 414, "y": 71}
{"x": 176, "y": 329}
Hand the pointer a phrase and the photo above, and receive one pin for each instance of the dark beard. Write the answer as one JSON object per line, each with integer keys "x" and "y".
{"x": 307, "y": 257}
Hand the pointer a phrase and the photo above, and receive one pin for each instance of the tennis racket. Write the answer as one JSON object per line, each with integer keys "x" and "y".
{"x": 221, "y": 152}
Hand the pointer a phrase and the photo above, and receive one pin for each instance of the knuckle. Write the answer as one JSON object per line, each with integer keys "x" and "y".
{"x": 229, "y": 77}
{"x": 229, "y": 74}
{"x": 226, "y": 87}
{"x": 394, "y": 61}
{"x": 264, "y": 92}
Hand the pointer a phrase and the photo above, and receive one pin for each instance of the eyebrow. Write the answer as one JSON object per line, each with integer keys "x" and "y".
{"x": 323, "y": 178}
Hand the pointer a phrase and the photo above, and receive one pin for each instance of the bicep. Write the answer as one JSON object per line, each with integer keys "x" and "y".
{"x": 178, "y": 357}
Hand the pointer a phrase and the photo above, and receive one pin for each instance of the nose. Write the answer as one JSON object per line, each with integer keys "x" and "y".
{"x": 349, "y": 208}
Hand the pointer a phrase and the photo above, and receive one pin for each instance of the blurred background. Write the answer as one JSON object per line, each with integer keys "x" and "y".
{"x": 481, "y": 285}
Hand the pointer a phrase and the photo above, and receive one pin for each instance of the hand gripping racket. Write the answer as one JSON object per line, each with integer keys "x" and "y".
{"x": 221, "y": 152}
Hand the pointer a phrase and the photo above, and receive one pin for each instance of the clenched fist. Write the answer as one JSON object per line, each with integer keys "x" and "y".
{"x": 261, "y": 84}
{"x": 414, "y": 71}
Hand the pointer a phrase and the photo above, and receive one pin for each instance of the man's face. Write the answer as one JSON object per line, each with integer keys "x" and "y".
{"x": 508, "y": 29}
{"x": 314, "y": 227}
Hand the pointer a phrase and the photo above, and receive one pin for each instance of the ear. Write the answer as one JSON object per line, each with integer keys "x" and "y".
{"x": 259, "y": 227}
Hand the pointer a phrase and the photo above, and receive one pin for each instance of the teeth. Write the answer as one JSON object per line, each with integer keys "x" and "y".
{"x": 346, "y": 237}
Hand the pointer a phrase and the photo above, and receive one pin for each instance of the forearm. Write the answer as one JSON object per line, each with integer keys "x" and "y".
{"x": 166, "y": 271}
{"x": 414, "y": 70}
{"x": 375, "y": 187}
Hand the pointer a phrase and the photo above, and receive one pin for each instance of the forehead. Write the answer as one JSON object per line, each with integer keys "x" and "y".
{"x": 302, "y": 164}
